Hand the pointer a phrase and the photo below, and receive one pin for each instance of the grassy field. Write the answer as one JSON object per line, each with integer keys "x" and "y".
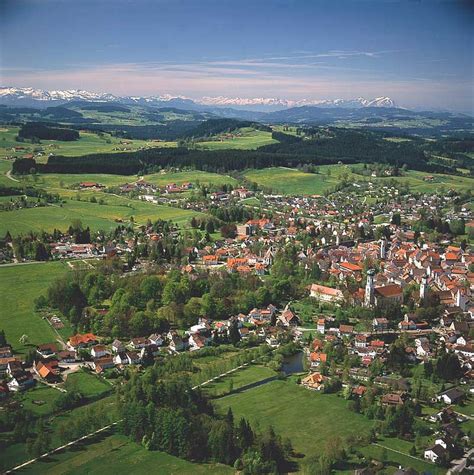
{"x": 192, "y": 176}
{"x": 87, "y": 143}
{"x": 59, "y": 183}
{"x": 250, "y": 374}
{"x": 306, "y": 417}
{"x": 21, "y": 285}
{"x": 290, "y": 181}
{"x": 250, "y": 139}
{"x": 89, "y": 384}
{"x": 16, "y": 454}
{"x": 112, "y": 453}
{"x": 415, "y": 181}
{"x": 94, "y": 215}
{"x": 40, "y": 400}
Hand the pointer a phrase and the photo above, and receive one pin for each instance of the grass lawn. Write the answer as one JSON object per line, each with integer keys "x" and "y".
{"x": 306, "y": 417}
{"x": 243, "y": 377}
{"x": 250, "y": 139}
{"x": 21, "y": 285}
{"x": 41, "y": 393}
{"x": 90, "y": 385}
{"x": 467, "y": 407}
{"x": 114, "y": 454}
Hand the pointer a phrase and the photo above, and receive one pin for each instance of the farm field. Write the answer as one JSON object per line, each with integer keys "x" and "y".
{"x": 290, "y": 181}
{"x": 415, "y": 181}
{"x": 16, "y": 313}
{"x": 287, "y": 180}
{"x": 306, "y": 417}
{"x": 88, "y": 143}
{"x": 250, "y": 139}
{"x": 59, "y": 183}
{"x": 192, "y": 176}
{"x": 110, "y": 454}
{"x": 94, "y": 215}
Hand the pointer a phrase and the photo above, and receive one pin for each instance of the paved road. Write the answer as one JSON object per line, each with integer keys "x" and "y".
{"x": 9, "y": 175}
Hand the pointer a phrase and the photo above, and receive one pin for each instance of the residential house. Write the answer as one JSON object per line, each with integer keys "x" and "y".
{"x": 81, "y": 341}
{"x": 394, "y": 399}
{"x": 47, "y": 350}
{"x": 156, "y": 339}
{"x": 101, "y": 364}
{"x": 317, "y": 358}
{"x": 380, "y": 324}
{"x": 288, "y": 318}
{"x": 139, "y": 343}
{"x": 451, "y": 396}
{"x": 314, "y": 381}
{"x": 118, "y": 346}
{"x": 435, "y": 453}
{"x": 48, "y": 371}
{"x": 98, "y": 351}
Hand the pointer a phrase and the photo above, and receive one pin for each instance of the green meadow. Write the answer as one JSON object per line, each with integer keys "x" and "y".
{"x": 21, "y": 285}
{"x": 306, "y": 417}
{"x": 192, "y": 176}
{"x": 250, "y": 139}
{"x": 97, "y": 216}
{"x": 235, "y": 381}
{"x": 89, "y": 384}
{"x": 290, "y": 181}
{"x": 113, "y": 454}
{"x": 88, "y": 143}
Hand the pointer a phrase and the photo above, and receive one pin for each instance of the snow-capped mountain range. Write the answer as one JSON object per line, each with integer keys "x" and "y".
{"x": 286, "y": 103}
{"x": 32, "y": 96}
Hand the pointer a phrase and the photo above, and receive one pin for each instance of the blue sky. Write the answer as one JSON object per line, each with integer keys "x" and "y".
{"x": 420, "y": 53}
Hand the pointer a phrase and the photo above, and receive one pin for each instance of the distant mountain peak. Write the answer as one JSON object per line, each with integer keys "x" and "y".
{"x": 26, "y": 95}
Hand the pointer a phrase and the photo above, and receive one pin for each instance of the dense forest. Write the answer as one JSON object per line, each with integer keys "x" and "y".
{"x": 41, "y": 131}
{"x": 171, "y": 417}
{"x": 345, "y": 146}
{"x": 217, "y": 126}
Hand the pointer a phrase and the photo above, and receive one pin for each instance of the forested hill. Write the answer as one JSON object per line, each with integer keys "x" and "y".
{"x": 338, "y": 145}
{"x": 217, "y": 126}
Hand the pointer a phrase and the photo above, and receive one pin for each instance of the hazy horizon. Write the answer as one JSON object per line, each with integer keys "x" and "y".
{"x": 417, "y": 53}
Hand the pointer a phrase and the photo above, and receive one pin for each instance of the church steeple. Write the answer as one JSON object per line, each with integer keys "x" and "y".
{"x": 369, "y": 288}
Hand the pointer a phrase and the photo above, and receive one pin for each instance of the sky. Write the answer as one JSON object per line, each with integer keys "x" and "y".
{"x": 419, "y": 53}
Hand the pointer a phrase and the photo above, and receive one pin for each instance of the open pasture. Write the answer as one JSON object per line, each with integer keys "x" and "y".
{"x": 88, "y": 143}
{"x": 290, "y": 181}
{"x": 248, "y": 139}
{"x": 115, "y": 211}
{"x": 306, "y": 417}
{"x": 110, "y": 454}
{"x": 21, "y": 285}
